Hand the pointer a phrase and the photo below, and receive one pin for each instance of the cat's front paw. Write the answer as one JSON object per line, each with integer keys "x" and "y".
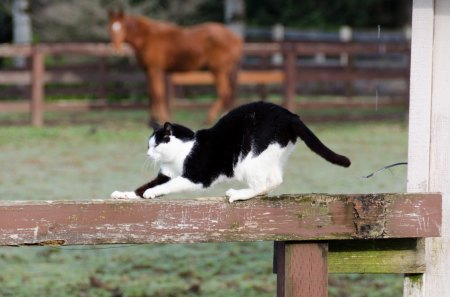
{"x": 149, "y": 194}
{"x": 124, "y": 195}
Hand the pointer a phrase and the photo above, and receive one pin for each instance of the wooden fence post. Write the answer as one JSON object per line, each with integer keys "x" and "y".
{"x": 289, "y": 66}
{"x": 302, "y": 269}
{"x": 37, "y": 88}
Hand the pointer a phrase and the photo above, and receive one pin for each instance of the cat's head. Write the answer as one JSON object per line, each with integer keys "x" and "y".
{"x": 168, "y": 141}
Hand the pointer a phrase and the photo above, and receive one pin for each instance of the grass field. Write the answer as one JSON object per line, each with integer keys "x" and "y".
{"x": 87, "y": 156}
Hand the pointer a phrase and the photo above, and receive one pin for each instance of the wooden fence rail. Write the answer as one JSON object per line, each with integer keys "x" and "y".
{"x": 287, "y": 74}
{"x": 314, "y": 234}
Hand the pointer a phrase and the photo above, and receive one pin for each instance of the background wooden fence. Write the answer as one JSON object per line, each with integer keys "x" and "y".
{"x": 289, "y": 67}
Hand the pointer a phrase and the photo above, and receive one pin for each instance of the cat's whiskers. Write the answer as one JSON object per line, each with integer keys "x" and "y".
{"x": 147, "y": 165}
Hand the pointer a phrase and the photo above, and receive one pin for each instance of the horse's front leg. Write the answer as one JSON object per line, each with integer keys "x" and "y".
{"x": 223, "y": 87}
{"x": 158, "y": 110}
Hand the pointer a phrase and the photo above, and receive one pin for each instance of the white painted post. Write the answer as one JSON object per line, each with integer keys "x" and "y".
{"x": 21, "y": 27}
{"x": 235, "y": 16}
{"x": 345, "y": 35}
{"x": 429, "y": 135}
{"x": 277, "y": 36}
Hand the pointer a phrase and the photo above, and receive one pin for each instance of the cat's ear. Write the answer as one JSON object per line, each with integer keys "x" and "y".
{"x": 154, "y": 125}
{"x": 168, "y": 129}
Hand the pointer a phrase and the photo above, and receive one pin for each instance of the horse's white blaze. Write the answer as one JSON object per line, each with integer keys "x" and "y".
{"x": 116, "y": 26}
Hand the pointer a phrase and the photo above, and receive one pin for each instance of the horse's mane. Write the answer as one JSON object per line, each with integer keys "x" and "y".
{"x": 145, "y": 23}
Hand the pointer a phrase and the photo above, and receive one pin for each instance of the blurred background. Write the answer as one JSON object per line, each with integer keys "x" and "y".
{"x": 343, "y": 66}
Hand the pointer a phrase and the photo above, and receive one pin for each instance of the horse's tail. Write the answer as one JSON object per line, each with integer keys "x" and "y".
{"x": 316, "y": 145}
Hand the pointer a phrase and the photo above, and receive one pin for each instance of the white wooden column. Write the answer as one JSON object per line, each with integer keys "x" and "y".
{"x": 429, "y": 135}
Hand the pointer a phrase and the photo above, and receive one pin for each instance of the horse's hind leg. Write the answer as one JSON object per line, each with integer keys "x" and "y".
{"x": 234, "y": 86}
{"x": 158, "y": 110}
{"x": 223, "y": 88}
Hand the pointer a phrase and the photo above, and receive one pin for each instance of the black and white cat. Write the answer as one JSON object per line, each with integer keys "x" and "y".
{"x": 250, "y": 144}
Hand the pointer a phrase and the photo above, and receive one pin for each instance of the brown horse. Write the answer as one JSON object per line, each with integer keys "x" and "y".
{"x": 162, "y": 47}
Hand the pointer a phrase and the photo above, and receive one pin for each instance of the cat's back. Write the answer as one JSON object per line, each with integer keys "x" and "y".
{"x": 254, "y": 114}
{"x": 256, "y": 124}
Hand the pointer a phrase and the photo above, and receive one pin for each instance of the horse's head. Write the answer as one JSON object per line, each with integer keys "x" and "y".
{"x": 117, "y": 28}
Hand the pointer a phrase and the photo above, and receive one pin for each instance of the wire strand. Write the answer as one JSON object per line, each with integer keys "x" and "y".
{"x": 384, "y": 168}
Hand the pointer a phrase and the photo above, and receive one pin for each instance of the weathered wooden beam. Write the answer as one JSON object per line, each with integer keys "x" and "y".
{"x": 283, "y": 218}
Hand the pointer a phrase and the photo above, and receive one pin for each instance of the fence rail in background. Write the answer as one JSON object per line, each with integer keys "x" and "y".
{"x": 314, "y": 234}
{"x": 283, "y": 63}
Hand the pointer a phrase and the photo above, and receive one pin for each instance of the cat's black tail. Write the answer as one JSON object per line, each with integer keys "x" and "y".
{"x": 316, "y": 145}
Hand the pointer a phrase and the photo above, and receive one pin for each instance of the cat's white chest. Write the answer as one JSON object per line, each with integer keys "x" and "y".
{"x": 172, "y": 169}
{"x": 170, "y": 156}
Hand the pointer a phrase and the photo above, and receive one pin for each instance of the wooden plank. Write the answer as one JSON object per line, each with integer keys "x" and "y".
{"x": 258, "y": 49}
{"x": 262, "y": 47}
{"x": 15, "y": 77}
{"x": 254, "y": 77}
{"x": 92, "y": 49}
{"x": 192, "y": 78}
{"x": 376, "y": 256}
{"x": 302, "y": 270}
{"x": 287, "y": 217}
{"x": 337, "y": 48}
{"x": 342, "y": 74}
{"x": 15, "y": 50}
{"x": 244, "y": 77}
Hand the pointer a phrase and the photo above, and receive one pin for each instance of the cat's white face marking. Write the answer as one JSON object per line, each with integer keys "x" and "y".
{"x": 170, "y": 155}
{"x": 152, "y": 153}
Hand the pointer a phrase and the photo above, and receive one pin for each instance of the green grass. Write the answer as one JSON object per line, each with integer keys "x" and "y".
{"x": 88, "y": 155}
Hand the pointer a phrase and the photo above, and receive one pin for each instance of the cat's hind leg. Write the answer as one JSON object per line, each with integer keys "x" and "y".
{"x": 124, "y": 195}
{"x": 257, "y": 187}
{"x": 262, "y": 173}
